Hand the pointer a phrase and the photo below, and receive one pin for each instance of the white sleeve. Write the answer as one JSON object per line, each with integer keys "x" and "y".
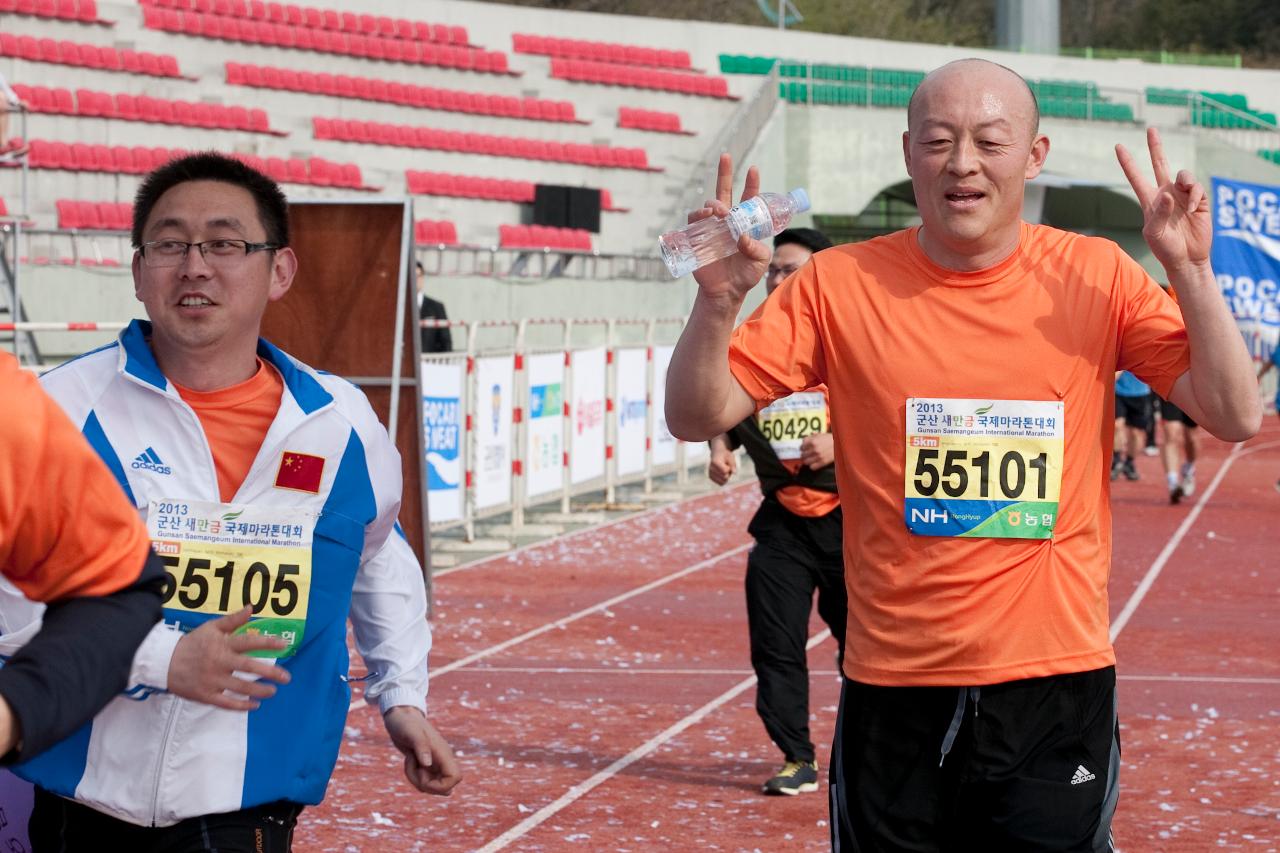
{"x": 389, "y": 618}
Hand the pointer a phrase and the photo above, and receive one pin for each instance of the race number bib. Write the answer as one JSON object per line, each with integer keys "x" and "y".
{"x": 219, "y": 558}
{"x": 787, "y": 422}
{"x": 983, "y": 468}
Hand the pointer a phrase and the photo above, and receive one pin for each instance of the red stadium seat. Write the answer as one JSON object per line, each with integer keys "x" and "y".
{"x": 68, "y": 213}
{"x": 89, "y": 215}
{"x": 276, "y": 169}
{"x": 320, "y": 173}
{"x": 89, "y": 55}
{"x": 63, "y": 102}
{"x": 297, "y": 171}
{"x": 351, "y": 176}
{"x": 81, "y": 158}
{"x": 122, "y": 160}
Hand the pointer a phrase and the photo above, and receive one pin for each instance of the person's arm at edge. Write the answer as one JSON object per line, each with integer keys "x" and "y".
{"x": 77, "y": 662}
{"x": 81, "y": 550}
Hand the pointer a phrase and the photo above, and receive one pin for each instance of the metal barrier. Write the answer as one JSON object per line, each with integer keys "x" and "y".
{"x": 498, "y": 262}
{"x": 514, "y": 426}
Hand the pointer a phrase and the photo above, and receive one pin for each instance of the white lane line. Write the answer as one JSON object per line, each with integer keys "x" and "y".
{"x": 439, "y": 573}
{"x": 560, "y": 623}
{"x": 595, "y": 608}
{"x": 583, "y": 788}
{"x": 1149, "y": 579}
{"x": 1200, "y": 679}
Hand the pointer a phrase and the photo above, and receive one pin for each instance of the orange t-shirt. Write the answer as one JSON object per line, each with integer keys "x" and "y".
{"x": 879, "y": 323}
{"x": 235, "y": 422}
{"x": 66, "y": 527}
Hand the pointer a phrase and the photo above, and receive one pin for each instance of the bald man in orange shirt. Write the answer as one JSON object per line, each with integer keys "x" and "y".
{"x": 970, "y": 365}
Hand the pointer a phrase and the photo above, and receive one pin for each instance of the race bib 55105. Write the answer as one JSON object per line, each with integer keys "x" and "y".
{"x": 219, "y": 558}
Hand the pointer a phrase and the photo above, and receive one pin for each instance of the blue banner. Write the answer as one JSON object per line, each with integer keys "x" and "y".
{"x": 1246, "y": 259}
{"x": 442, "y": 432}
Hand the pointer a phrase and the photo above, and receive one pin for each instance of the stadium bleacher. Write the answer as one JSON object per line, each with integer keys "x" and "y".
{"x": 621, "y": 54}
{"x": 81, "y": 11}
{"x": 89, "y": 103}
{"x": 404, "y": 94}
{"x": 252, "y": 28}
{"x": 82, "y": 55}
{"x": 518, "y": 147}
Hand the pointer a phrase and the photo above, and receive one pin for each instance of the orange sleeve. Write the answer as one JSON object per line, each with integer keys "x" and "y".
{"x": 1153, "y": 337}
{"x": 66, "y": 528}
{"x": 777, "y": 350}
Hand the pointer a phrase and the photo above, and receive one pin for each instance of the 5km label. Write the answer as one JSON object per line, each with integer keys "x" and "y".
{"x": 983, "y": 468}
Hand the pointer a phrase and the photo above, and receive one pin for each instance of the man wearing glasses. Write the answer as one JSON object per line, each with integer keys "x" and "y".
{"x": 270, "y": 492}
{"x": 798, "y": 543}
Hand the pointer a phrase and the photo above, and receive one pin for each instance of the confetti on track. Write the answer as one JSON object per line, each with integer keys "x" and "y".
{"x": 589, "y": 686}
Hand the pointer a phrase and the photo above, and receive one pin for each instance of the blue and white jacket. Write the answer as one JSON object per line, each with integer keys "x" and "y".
{"x": 154, "y": 759}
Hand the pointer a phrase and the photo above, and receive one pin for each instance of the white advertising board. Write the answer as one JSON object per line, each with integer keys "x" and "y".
{"x": 493, "y": 428}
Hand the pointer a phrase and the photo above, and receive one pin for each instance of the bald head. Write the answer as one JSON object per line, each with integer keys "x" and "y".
{"x": 1003, "y": 86}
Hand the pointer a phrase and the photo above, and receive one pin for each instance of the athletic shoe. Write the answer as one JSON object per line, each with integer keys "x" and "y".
{"x": 1116, "y": 467}
{"x": 795, "y": 777}
{"x": 1152, "y": 450}
{"x": 1175, "y": 494}
{"x": 1188, "y": 484}
{"x": 1130, "y": 472}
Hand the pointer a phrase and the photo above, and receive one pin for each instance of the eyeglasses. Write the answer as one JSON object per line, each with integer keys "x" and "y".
{"x": 782, "y": 271}
{"x": 170, "y": 253}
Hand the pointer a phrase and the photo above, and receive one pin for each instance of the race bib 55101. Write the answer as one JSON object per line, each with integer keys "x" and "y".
{"x": 983, "y": 468}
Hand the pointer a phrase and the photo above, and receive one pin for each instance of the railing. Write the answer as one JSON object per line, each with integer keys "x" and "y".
{"x": 516, "y": 425}
{"x": 498, "y": 262}
{"x": 1161, "y": 57}
{"x": 1251, "y": 133}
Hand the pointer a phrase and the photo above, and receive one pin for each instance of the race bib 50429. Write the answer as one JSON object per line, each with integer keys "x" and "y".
{"x": 787, "y": 422}
{"x": 219, "y": 558}
{"x": 983, "y": 468}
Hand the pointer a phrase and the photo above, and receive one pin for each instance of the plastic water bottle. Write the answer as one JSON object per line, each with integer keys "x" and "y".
{"x": 707, "y": 240}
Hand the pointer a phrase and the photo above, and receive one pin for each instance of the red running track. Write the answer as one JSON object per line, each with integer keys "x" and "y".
{"x": 598, "y": 690}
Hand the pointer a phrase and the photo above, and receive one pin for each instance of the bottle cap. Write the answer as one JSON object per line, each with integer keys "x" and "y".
{"x": 801, "y": 199}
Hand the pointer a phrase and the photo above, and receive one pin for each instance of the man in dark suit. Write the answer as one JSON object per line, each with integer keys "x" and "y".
{"x": 438, "y": 339}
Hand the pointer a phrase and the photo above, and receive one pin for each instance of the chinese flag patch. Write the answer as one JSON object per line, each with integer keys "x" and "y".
{"x": 300, "y": 471}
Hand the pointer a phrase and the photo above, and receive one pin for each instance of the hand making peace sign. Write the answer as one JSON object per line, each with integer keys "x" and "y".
{"x": 1177, "y": 224}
